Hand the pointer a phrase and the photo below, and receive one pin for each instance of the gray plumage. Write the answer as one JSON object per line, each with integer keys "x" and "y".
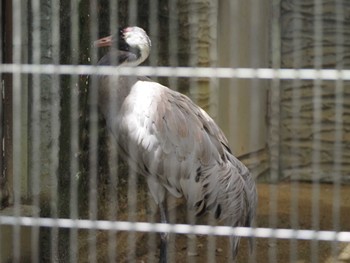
{"x": 175, "y": 144}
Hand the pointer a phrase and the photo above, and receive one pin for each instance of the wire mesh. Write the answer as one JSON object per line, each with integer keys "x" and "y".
{"x": 267, "y": 72}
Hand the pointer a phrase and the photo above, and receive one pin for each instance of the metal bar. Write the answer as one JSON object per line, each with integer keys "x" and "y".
{"x": 259, "y": 232}
{"x": 74, "y": 125}
{"x": 194, "y": 91}
{"x": 338, "y": 124}
{"x": 317, "y": 125}
{"x": 93, "y": 135}
{"x": 6, "y": 105}
{"x": 113, "y": 160}
{"x": 132, "y": 201}
{"x": 296, "y": 96}
{"x": 55, "y": 126}
{"x": 16, "y": 124}
{"x": 213, "y": 25}
{"x": 132, "y": 176}
{"x": 242, "y": 73}
{"x": 154, "y": 59}
{"x": 35, "y": 127}
{"x": 2, "y": 35}
{"x": 274, "y": 136}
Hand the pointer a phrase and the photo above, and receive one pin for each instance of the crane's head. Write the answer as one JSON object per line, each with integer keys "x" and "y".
{"x": 132, "y": 40}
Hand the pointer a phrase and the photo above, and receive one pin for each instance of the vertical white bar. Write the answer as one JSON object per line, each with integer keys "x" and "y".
{"x": 17, "y": 118}
{"x": 234, "y": 36}
{"x": 153, "y": 60}
{"x": 132, "y": 12}
{"x": 2, "y": 172}
{"x": 213, "y": 56}
{"x": 229, "y": 43}
{"x": 93, "y": 134}
{"x": 173, "y": 40}
{"x": 55, "y": 124}
{"x": 35, "y": 127}
{"x": 193, "y": 23}
{"x": 132, "y": 206}
{"x": 1, "y": 99}
{"x": 132, "y": 178}
{"x": 275, "y": 95}
{"x": 154, "y": 31}
{"x": 173, "y": 55}
{"x": 74, "y": 125}
{"x": 193, "y": 20}
{"x": 213, "y": 101}
{"x": 112, "y": 149}
{"x": 338, "y": 122}
{"x": 316, "y": 126}
{"x": 296, "y": 106}
{"x": 256, "y": 60}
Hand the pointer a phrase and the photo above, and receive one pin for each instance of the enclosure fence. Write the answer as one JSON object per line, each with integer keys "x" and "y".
{"x": 284, "y": 106}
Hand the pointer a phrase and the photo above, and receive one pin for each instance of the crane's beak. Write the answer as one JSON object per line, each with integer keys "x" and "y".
{"x": 103, "y": 42}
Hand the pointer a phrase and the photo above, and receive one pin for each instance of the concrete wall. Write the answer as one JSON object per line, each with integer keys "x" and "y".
{"x": 243, "y": 37}
{"x": 231, "y": 34}
{"x": 315, "y": 114}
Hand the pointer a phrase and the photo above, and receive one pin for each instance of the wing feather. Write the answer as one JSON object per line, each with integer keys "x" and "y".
{"x": 156, "y": 119}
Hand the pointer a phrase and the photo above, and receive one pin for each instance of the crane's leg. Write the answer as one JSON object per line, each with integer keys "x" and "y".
{"x": 158, "y": 193}
{"x": 163, "y": 236}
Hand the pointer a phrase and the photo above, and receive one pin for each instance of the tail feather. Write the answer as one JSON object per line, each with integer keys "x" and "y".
{"x": 234, "y": 246}
{"x": 249, "y": 204}
{"x": 227, "y": 191}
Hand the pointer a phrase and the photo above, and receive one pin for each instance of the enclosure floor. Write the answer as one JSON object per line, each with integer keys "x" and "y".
{"x": 266, "y": 250}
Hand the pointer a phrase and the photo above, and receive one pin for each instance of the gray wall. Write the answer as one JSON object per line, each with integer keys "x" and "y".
{"x": 315, "y": 114}
{"x": 244, "y": 32}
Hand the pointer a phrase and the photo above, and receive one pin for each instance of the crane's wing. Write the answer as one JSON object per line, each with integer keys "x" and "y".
{"x": 163, "y": 124}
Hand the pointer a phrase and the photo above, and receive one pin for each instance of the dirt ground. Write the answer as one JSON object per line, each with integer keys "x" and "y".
{"x": 288, "y": 195}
